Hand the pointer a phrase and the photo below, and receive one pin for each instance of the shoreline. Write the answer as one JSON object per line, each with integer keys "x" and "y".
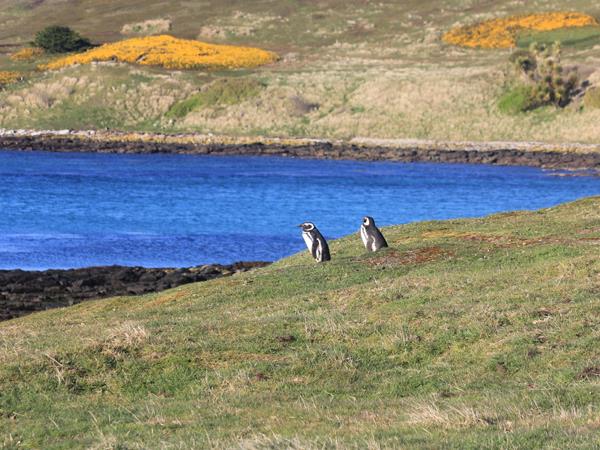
{"x": 571, "y": 156}
{"x": 24, "y": 292}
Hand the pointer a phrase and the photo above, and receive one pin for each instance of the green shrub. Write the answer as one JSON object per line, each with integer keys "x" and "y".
{"x": 592, "y": 98}
{"x": 540, "y": 69}
{"x": 523, "y": 61}
{"x": 58, "y": 39}
{"x": 225, "y": 91}
{"x": 517, "y": 99}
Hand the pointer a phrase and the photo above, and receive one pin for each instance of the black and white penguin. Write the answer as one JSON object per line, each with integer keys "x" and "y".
{"x": 371, "y": 236}
{"x": 316, "y": 243}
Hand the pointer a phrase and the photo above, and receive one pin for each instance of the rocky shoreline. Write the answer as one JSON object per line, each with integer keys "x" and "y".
{"x": 25, "y": 292}
{"x": 552, "y": 156}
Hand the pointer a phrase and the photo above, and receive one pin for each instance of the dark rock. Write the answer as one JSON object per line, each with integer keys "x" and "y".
{"x": 23, "y": 292}
{"x": 551, "y": 156}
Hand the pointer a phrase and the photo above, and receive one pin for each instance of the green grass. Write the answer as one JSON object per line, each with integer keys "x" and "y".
{"x": 580, "y": 37}
{"x": 479, "y": 333}
{"x": 516, "y": 99}
{"x": 81, "y": 116}
{"x": 221, "y": 92}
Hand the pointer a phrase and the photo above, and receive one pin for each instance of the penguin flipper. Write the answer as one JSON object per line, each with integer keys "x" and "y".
{"x": 383, "y": 240}
{"x": 326, "y": 256}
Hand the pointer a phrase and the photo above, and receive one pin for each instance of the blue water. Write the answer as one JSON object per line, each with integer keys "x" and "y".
{"x": 62, "y": 210}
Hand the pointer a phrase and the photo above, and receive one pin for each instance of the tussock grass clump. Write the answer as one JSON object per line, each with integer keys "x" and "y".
{"x": 123, "y": 339}
{"x": 171, "y": 53}
{"x": 502, "y": 33}
{"x": 147, "y": 27}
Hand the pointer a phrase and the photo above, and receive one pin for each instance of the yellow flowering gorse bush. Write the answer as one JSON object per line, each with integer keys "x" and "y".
{"x": 502, "y": 33}
{"x": 27, "y": 53}
{"x": 9, "y": 77}
{"x": 171, "y": 53}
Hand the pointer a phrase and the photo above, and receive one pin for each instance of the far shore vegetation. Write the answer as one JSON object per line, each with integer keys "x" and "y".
{"x": 539, "y": 79}
{"x": 332, "y": 69}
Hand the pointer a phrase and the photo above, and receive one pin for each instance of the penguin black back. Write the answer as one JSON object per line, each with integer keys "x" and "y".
{"x": 315, "y": 242}
{"x": 371, "y": 236}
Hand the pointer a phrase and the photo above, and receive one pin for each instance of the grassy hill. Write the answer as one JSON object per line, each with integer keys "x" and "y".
{"x": 347, "y": 68}
{"x": 479, "y": 333}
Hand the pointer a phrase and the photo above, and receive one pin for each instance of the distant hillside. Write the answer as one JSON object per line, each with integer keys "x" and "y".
{"x": 478, "y": 333}
{"x": 348, "y": 68}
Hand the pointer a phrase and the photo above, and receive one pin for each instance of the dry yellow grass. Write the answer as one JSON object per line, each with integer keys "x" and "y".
{"x": 147, "y": 27}
{"x": 127, "y": 335}
{"x": 27, "y": 54}
{"x": 501, "y": 33}
{"x": 171, "y": 53}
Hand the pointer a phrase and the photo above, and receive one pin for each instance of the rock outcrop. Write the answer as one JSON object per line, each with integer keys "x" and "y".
{"x": 24, "y": 292}
{"x": 538, "y": 154}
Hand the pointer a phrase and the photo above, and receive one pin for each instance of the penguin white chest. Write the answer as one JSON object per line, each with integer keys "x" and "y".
{"x": 373, "y": 246}
{"x": 308, "y": 240}
{"x": 319, "y": 252}
{"x": 364, "y": 236}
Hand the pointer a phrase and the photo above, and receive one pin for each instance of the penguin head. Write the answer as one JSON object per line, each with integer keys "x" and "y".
{"x": 368, "y": 221}
{"x": 307, "y": 226}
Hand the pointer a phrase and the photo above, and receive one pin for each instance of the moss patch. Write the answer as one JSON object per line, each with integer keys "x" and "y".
{"x": 516, "y": 99}
{"x": 225, "y": 91}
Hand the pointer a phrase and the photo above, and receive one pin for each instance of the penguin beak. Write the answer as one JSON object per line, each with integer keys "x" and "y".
{"x": 300, "y": 226}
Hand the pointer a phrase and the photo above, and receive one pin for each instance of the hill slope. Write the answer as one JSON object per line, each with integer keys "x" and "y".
{"x": 348, "y": 68}
{"x": 465, "y": 334}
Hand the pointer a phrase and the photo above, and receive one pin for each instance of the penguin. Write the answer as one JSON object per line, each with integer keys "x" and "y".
{"x": 371, "y": 236}
{"x": 316, "y": 243}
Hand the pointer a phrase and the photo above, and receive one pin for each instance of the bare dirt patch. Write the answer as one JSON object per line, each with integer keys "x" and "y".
{"x": 506, "y": 241}
{"x": 418, "y": 256}
{"x": 589, "y": 373}
{"x": 286, "y": 339}
{"x": 511, "y": 241}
